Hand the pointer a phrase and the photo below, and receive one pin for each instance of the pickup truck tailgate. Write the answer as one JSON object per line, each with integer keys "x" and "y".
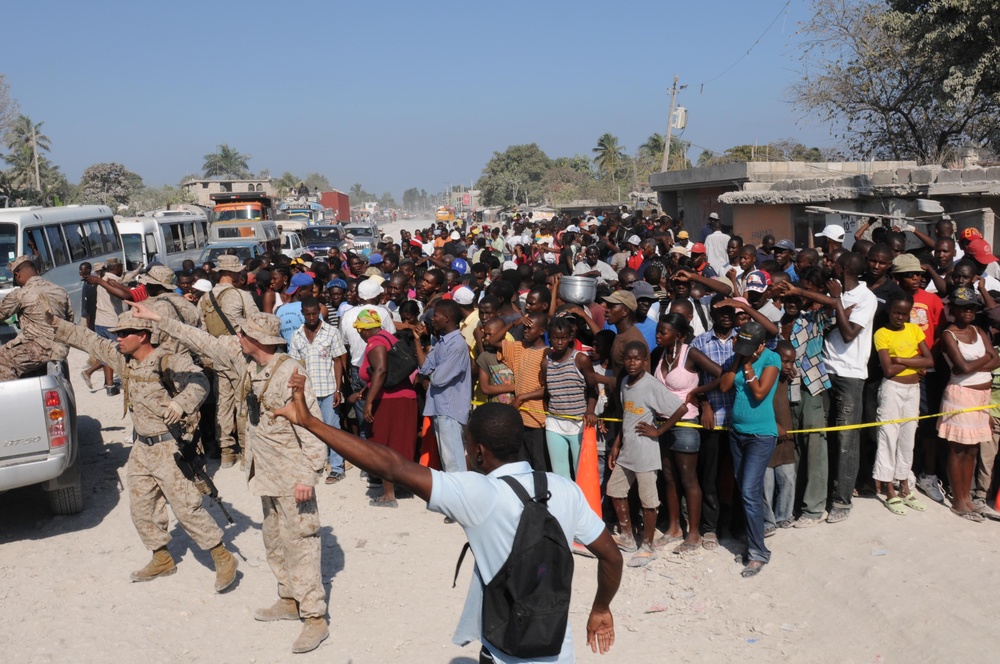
{"x": 24, "y": 433}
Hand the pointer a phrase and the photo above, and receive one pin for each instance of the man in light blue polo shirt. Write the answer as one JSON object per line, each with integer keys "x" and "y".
{"x": 488, "y": 510}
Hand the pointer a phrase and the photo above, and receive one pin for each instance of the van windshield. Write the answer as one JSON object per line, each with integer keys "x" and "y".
{"x": 232, "y": 214}
{"x": 314, "y": 233}
{"x": 8, "y": 252}
{"x": 133, "y": 250}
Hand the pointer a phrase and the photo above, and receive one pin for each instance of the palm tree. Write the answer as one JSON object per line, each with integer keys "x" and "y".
{"x": 26, "y": 141}
{"x": 227, "y": 163}
{"x": 609, "y": 157}
{"x": 653, "y": 147}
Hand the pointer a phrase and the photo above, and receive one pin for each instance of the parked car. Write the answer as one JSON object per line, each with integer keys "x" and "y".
{"x": 38, "y": 441}
{"x": 320, "y": 239}
{"x": 361, "y": 237}
{"x": 291, "y": 244}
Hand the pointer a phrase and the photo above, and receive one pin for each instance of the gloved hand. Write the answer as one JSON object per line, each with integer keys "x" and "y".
{"x": 174, "y": 413}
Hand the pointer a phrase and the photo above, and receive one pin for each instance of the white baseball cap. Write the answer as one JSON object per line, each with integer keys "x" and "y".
{"x": 633, "y": 239}
{"x": 203, "y": 285}
{"x": 834, "y": 232}
{"x": 455, "y": 235}
{"x": 463, "y": 296}
{"x": 369, "y": 289}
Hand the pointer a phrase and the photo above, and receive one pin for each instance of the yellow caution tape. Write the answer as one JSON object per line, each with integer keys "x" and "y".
{"x": 843, "y": 427}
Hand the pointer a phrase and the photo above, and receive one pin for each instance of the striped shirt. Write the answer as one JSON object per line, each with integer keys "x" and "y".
{"x": 566, "y": 386}
{"x": 319, "y": 356}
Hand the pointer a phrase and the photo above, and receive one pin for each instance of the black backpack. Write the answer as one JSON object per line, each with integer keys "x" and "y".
{"x": 400, "y": 363}
{"x": 526, "y": 605}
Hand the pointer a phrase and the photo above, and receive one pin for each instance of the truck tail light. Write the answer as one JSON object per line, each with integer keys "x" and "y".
{"x": 56, "y": 416}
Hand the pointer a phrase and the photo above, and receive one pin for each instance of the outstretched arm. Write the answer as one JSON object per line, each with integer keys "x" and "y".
{"x": 370, "y": 457}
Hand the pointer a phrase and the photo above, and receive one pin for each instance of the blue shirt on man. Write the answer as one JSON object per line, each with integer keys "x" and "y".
{"x": 449, "y": 368}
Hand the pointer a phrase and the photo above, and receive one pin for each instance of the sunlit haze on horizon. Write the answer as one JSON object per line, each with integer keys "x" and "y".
{"x": 394, "y": 95}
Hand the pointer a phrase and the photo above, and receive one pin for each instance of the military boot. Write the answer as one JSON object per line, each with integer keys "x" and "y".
{"x": 283, "y": 609}
{"x": 229, "y": 458}
{"x": 162, "y": 564}
{"x": 225, "y": 567}
{"x": 314, "y": 632}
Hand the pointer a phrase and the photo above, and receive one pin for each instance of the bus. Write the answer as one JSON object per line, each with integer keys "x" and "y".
{"x": 59, "y": 239}
{"x": 173, "y": 236}
{"x": 233, "y": 206}
{"x": 445, "y": 213}
{"x": 265, "y": 232}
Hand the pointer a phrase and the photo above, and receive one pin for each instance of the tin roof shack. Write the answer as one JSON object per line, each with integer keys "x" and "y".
{"x": 969, "y": 195}
{"x": 694, "y": 193}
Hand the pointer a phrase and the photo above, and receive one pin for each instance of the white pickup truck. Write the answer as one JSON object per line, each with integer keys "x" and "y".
{"x": 38, "y": 442}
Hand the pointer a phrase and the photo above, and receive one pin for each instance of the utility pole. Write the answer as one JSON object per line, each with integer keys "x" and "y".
{"x": 665, "y": 164}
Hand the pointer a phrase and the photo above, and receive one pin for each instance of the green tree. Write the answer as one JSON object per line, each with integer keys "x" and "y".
{"x": 317, "y": 182}
{"x": 108, "y": 184}
{"x": 609, "y": 159}
{"x": 653, "y": 147}
{"x": 870, "y": 74}
{"x": 8, "y": 107}
{"x": 386, "y": 200}
{"x": 514, "y": 176}
{"x": 286, "y": 184}
{"x": 27, "y": 145}
{"x": 227, "y": 163}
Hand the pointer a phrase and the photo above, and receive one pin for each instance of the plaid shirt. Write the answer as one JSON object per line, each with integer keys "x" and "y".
{"x": 319, "y": 356}
{"x": 807, "y": 339}
{"x": 721, "y": 352}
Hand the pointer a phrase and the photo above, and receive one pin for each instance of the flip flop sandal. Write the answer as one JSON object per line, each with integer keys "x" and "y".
{"x": 969, "y": 516}
{"x": 752, "y": 571}
{"x": 895, "y": 505}
{"x": 913, "y": 502}
{"x": 687, "y": 547}
{"x": 87, "y": 379}
{"x": 625, "y": 543}
{"x": 665, "y": 539}
{"x": 383, "y": 503}
{"x": 642, "y": 557}
{"x": 710, "y": 541}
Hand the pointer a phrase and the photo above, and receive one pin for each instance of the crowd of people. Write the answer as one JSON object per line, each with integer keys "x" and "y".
{"x": 730, "y": 385}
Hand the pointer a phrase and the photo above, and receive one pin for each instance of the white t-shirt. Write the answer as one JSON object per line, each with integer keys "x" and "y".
{"x": 715, "y": 251}
{"x": 850, "y": 360}
{"x": 604, "y": 271}
{"x": 489, "y": 511}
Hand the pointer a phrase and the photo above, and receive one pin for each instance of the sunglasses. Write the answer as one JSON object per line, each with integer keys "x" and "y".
{"x": 121, "y": 334}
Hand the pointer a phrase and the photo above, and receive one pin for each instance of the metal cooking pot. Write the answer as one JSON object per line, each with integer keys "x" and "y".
{"x": 578, "y": 290}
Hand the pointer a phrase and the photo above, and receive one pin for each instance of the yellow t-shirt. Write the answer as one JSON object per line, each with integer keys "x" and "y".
{"x": 904, "y": 343}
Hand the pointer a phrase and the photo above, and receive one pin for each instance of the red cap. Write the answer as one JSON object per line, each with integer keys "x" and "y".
{"x": 698, "y": 248}
{"x": 417, "y": 244}
{"x": 980, "y": 250}
{"x": 971, "y": 234}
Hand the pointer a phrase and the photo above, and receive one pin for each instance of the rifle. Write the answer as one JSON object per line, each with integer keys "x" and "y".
{"x": 192, "y": 466}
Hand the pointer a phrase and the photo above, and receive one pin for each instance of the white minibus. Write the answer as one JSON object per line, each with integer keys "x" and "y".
{"x": 173, "y": 236}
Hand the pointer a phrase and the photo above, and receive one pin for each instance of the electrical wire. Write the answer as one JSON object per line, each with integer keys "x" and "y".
{"x": 701, "y": 86}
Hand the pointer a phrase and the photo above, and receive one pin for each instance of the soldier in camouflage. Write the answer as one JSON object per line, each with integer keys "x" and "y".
{"x": 283, "y": 463}
{"x": 35, "y": 298}
{"x": 163, "y": 391}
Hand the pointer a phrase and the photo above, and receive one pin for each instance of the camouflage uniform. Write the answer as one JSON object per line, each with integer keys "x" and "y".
{"x": 277, "y": 456}
{"x": 35, "y": 345}
{"x": 235, "y": 308}
{"x": 153, "y": 476}
{"x": 175, "y": 307}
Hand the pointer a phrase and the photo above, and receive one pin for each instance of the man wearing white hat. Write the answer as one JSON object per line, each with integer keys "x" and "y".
{"x": 283, "y": 463}
{"x": 834, "y": 236}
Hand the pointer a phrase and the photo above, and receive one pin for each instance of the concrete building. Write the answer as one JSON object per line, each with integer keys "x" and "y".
{"x": 780, "y": 198}
{"x": 202, "y": 189}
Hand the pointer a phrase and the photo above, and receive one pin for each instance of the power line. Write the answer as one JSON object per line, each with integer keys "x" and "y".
{"x": 701, "y": 86}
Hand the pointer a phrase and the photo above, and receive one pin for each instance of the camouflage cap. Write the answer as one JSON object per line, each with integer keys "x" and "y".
{"x": 18, "y": 262}
{"x": 127, "y": 321}
{"x": 112, "y": 262}
{"x": 227, "y": 263}
{"x": 262, "y": 328}
{"x": 158, "y": 275}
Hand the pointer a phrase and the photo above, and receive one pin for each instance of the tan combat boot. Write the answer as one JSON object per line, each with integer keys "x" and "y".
{"x": 225, "y": 567}
{"x": 314, "y": 632}
{"x": 228, "y": 458}
{"x": 162, "y": 564}
{"x": 283, "y": 609}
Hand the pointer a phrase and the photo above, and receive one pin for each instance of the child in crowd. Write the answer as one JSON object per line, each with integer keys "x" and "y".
{"x": 779, "y": 479}
{"x": 635, "y": 456}
{"x": 496, "y": 380}
{"x": 972, "y": 358}
{"x": 902, "y": 351}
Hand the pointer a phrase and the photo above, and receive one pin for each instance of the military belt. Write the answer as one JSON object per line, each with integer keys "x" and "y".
{"x": 153, "y": 440}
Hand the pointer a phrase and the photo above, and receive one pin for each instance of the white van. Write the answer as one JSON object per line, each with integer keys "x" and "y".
{"x": 171, "y": 235}
{"x": 59, "y": 239}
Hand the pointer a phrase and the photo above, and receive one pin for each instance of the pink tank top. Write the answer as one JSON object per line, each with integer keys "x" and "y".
{"x": 679, "y": 381}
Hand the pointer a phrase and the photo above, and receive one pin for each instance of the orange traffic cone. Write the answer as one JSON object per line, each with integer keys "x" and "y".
{"x": 588, "y": 478}
{"x": 428, "y": 446}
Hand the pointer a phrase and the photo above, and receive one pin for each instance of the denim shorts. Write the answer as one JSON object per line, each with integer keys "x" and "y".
{"x": 683, "y": 439}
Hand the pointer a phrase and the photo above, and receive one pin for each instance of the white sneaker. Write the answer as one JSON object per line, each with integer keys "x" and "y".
{"x": 932, "y": 487}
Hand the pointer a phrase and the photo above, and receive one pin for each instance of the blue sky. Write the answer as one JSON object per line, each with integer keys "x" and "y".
{"x": 392, "y": 94}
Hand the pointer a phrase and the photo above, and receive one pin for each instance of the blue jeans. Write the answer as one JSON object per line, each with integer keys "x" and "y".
{"x": 846, "y": 402}
{"x": 331, "y": 418}
{"x": 779, "y": 494}
{"x": 448, "y": 432}
{"x": 751, "y": 455}
{"x": 359, "y": 406}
